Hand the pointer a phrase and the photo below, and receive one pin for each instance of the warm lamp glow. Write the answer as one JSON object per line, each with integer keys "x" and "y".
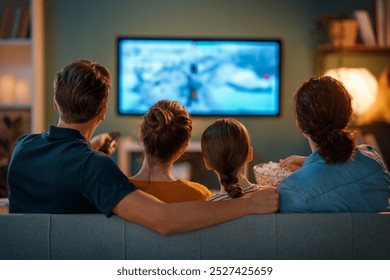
{"x": 360, "y": 83}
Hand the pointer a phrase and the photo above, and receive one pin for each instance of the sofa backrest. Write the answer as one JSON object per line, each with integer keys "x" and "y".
{"x": 274, "y": 236}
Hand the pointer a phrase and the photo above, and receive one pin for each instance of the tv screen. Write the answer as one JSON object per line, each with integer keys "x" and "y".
{"x": 210, "y": 77}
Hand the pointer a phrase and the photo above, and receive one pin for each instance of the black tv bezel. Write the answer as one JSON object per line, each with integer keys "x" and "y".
{"x": 175, "y": 38}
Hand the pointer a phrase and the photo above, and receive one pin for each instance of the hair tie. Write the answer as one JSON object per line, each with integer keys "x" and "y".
{"x": 328, "y": 129}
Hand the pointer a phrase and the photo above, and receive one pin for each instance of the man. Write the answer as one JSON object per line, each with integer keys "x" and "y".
{"x": 60, "y": 171}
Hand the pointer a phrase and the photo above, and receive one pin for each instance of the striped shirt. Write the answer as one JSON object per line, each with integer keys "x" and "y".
{"x": 224, "y": 196}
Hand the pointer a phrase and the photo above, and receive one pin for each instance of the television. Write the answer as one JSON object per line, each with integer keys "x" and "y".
{"x": 210, "y": 77}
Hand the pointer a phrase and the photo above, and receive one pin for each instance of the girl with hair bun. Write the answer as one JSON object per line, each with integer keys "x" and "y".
{"x": 227, "y": 149}
{"x": 338, "y": 176}
{"x": 165, "y": 133}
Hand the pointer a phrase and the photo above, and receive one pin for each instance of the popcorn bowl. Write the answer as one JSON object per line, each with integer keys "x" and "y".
{"x": 269, "y": 174}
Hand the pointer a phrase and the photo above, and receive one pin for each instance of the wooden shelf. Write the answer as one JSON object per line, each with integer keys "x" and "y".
{"x": 327, "y": 56}
{"x": 128, "y": 146}
{"x": 15, "y": 107}
{"x": 15, "y": 42}
{"x": 355, "y": 49}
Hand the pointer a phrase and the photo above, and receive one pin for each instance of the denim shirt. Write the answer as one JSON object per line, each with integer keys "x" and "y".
{"x": 362, "y": 184}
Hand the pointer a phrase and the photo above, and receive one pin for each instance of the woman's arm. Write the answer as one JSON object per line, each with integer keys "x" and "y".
{"x": 166, "y": 218}
{"x": 291, "y": 200}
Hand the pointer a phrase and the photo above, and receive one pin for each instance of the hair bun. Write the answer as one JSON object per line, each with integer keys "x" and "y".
{"x": 158, "y": 118}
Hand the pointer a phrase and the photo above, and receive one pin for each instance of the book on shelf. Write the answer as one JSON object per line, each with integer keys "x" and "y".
{"x": 24, "y": 23}
{"x": 387, "y": 22}
{"x": 366, "y": 30}
{"x": 6, "y": 21}
{"x": 14, "y": 21}
{"x": 380, "y": 16}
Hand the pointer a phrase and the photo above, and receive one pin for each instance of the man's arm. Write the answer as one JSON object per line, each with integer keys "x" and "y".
{"x": 105, "y": 143}
{"x": 166, "y": 218}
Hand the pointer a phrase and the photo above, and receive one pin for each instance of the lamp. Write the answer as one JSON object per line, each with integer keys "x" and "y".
{"x": 360, "y": 83}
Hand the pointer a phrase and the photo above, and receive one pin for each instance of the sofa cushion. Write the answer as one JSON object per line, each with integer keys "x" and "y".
{"x": 24, "y": 237}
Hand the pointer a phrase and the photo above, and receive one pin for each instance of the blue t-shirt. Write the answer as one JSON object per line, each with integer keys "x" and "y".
{"x": 58, "y": 172}
{"x": 362, "y": 184}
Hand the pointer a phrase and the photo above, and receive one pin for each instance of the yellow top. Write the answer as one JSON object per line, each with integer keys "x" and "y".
{"x": 174, "y": 191}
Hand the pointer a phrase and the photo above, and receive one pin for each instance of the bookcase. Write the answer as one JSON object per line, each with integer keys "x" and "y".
{"x": 21, "y": 75}
{"x": 372, "y": 51}
{"x": 22, "y": 63}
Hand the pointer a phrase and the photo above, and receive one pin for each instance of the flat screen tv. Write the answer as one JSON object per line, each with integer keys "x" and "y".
{"x": 210, "y": 77}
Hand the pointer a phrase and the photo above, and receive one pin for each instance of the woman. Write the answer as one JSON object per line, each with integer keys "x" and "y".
{"x": 338, "y": 176}
{"x": 227, "y": 149}
{"x": 165, "y": 134}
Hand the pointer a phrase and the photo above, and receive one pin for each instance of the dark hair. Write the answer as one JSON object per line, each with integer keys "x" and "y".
{"x": 81, "y": 90}
{"x": 323, "y": 110}
{"x": 166, "y": 127}
{"x": 225, "y": 147}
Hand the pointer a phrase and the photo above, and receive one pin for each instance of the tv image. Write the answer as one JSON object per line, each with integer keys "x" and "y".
{"x": 210, "y": 77}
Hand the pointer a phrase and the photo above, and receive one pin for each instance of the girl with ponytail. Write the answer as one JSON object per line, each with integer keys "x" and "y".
{"x": 338, "y": 176}
{"x": 226, "y": 149}
{"x": 165, "y": 133}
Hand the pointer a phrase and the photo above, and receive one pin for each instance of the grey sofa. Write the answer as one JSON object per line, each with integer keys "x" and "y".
{"x": 274, "y": 236}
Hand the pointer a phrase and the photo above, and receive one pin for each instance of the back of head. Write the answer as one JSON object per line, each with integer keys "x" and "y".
{"x": 165, "y": 129}
{"x": 323, "y": 110}
{"x": 225, "y": 147}
{"x": 81, "y": 90}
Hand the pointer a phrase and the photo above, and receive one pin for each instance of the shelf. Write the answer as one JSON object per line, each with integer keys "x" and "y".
{"x": 4, "y": 107}
{"x": 128, "y": 146}
{"x": 15, "y": 42}
{"x": 328, "y": 56}
{"x": 355, "y": 49}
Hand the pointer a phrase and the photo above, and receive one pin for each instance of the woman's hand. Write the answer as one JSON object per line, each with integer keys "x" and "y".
{"x": 292, "y": 163}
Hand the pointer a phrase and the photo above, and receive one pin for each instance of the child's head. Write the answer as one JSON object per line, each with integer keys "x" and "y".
{"x": 165, "y": 131}
{"x": 226, "y": 148}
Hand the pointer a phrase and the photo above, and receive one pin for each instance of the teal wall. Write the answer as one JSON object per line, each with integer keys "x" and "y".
{"x": 77, "y": 29}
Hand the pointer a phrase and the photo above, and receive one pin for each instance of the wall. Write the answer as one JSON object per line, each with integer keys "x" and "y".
{"x": 89, "y": 28}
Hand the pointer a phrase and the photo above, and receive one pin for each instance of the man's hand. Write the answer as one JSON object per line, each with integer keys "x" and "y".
{"x": 292, "y": 163}
{"x": 264, "y": 201}
{"x": 104, "y": 143}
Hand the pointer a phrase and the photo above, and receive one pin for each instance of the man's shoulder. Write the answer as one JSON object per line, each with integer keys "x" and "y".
{"x": 28, "y": 138}
{"x": 26, "y": 143}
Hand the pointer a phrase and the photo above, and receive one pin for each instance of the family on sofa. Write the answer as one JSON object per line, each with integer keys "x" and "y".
{"x": 62, "y": 172}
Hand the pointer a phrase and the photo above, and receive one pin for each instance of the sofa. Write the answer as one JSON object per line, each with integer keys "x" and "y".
{"x": 320, "y": 236}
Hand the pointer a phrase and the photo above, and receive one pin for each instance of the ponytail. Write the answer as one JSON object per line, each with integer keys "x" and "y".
{"x": 336, "y": 145}
{"x": 231, "y": 185}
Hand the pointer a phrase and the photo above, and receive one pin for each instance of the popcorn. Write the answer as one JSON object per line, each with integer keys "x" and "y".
{"x": 270, "y": 174}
